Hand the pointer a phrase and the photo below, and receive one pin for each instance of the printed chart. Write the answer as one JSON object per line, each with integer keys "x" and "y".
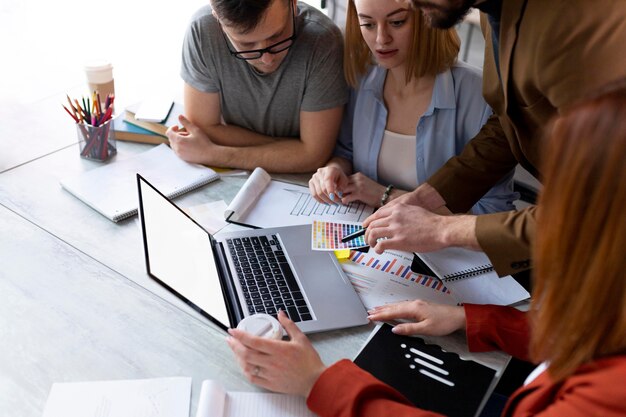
{"x": 387, "y": 278}
{"x": 398, "y": 265}
{"x": 307, "y": 206}
{"x": 326, "y": 236}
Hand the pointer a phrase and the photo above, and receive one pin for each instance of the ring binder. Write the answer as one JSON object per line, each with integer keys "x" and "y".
{"x": 452, "y": 264}
{"x": 468, "y": 273}
{"x": 453, "y": 268}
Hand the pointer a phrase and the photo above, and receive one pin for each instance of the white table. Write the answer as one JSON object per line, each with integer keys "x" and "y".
{"x": 78, "y": 305}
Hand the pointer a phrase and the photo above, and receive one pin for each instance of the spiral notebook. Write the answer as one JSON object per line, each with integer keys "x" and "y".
{"x": 452, "y": 264}
{"x": 111, "y": 189}
{"x": 469, "y": 276}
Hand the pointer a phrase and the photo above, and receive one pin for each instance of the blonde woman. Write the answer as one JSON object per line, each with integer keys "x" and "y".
{"x": 413, "y": 106}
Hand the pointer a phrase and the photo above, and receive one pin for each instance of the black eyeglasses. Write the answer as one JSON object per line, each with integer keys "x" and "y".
{"x": 272, "y": 49}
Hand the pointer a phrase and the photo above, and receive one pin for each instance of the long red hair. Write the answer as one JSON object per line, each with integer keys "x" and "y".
{"x": 579, "y": 302}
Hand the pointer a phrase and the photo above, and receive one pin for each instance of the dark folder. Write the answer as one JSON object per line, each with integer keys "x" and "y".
{"x": 426, "y": 375}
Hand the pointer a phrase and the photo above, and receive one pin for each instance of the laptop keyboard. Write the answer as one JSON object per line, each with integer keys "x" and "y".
{"x": 266, "y": 277}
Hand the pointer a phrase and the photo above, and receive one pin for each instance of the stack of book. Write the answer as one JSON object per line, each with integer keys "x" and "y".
{"x": 128, "y": 127}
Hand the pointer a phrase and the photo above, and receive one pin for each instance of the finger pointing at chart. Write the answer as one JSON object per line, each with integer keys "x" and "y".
{"x": 405, "y": 227}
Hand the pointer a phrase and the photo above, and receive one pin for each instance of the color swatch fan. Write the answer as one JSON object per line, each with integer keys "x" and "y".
{"x": 326, "y": 235}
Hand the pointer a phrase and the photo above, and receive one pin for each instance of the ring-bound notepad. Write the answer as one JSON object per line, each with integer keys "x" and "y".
{"x": 453, "y": 264}
{"x": 469, "y": 276}
{"x": 112, "y": 189}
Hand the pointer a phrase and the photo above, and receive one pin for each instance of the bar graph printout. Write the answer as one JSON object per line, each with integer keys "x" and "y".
{"x": 264, "y": 202}
{"x": 379, "y": 278}
{"x": 387, "y": 278}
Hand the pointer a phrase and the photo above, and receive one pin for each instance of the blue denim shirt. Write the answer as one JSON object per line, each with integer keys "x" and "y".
{"x": 455, "y": 114}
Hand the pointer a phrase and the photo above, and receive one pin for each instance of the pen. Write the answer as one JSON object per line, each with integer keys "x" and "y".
{"x": 353, "y": 236}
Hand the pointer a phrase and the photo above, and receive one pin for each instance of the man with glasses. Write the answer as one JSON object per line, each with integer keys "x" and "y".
{"x": 263, "y": 87}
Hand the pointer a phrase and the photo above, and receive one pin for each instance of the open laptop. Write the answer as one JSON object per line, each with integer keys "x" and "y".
{"x": 236, "y": 274}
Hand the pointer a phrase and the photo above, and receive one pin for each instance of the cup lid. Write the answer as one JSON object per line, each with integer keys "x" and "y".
{"x": 98, "y": 65}
{"x": 262, "y": 325}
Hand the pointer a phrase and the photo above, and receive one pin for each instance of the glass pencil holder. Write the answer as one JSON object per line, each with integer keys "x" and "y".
{"x": 96, "y": 143}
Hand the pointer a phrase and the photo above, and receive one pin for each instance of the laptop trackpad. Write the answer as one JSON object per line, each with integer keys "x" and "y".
{"x": 334, "y": 302}
{"x": 319, "y": 273}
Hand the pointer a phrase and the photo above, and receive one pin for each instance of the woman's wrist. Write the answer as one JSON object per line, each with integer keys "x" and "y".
{"x": 385, "y": 196}
{"x": 395, "y": 193}
{"x": 314, "y": 377}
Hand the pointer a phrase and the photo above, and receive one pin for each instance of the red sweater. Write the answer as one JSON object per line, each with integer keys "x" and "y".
{"x": 595, "y": 389}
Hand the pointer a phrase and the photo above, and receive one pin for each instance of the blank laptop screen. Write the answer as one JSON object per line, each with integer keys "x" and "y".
{"x": 180, "y": 254}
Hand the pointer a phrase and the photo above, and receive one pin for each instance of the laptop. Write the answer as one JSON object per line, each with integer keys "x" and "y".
{"x": 236, "y": 274}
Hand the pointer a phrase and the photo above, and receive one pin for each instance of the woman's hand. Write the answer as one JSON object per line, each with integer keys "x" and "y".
{"x": 290, "y": 367}
{"x": 423, "y": 318}
{"x": 362, "y": 188}
{"x": 331, "y": 185}
{"x": 326, "y": 185}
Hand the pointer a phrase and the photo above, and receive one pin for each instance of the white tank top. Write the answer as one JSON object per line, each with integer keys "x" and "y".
{"x": 396, "y": 161}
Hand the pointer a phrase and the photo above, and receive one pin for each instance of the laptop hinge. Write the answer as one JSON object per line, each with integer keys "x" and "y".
{"x": 235, "y": 314}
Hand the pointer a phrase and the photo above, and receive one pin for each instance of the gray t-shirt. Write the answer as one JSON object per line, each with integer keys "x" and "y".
{"x": 310, "y": 78}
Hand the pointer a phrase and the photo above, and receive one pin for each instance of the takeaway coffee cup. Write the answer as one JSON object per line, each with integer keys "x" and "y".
{"x": 262, "y": 325}
{"x": 99, "y": 75}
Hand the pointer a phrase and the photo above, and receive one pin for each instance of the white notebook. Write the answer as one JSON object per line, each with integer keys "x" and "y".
{"x": 112, "y": 189}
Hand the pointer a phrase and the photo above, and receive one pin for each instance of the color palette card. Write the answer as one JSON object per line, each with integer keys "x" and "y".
{"x": 326, "y": 235}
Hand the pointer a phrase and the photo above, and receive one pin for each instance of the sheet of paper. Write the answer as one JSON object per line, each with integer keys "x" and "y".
{"x": 216, "y": 402}
{"x": 212, "y": 399}
{"x": 489, "y": 289}
{"x": 248, "y": 195}
{"x": 256, "y": 404}
{"x": 387, "y": 278}
{"x": 209, "y": 215}
{"x": 275, "y": 203}
{"x": 157, "y": 397}
{"x": 327, "y": 235}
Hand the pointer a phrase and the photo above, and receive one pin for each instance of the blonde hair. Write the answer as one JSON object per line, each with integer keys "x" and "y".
{"x": 431, "y": 51}
{"x": 579, "y": 303}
